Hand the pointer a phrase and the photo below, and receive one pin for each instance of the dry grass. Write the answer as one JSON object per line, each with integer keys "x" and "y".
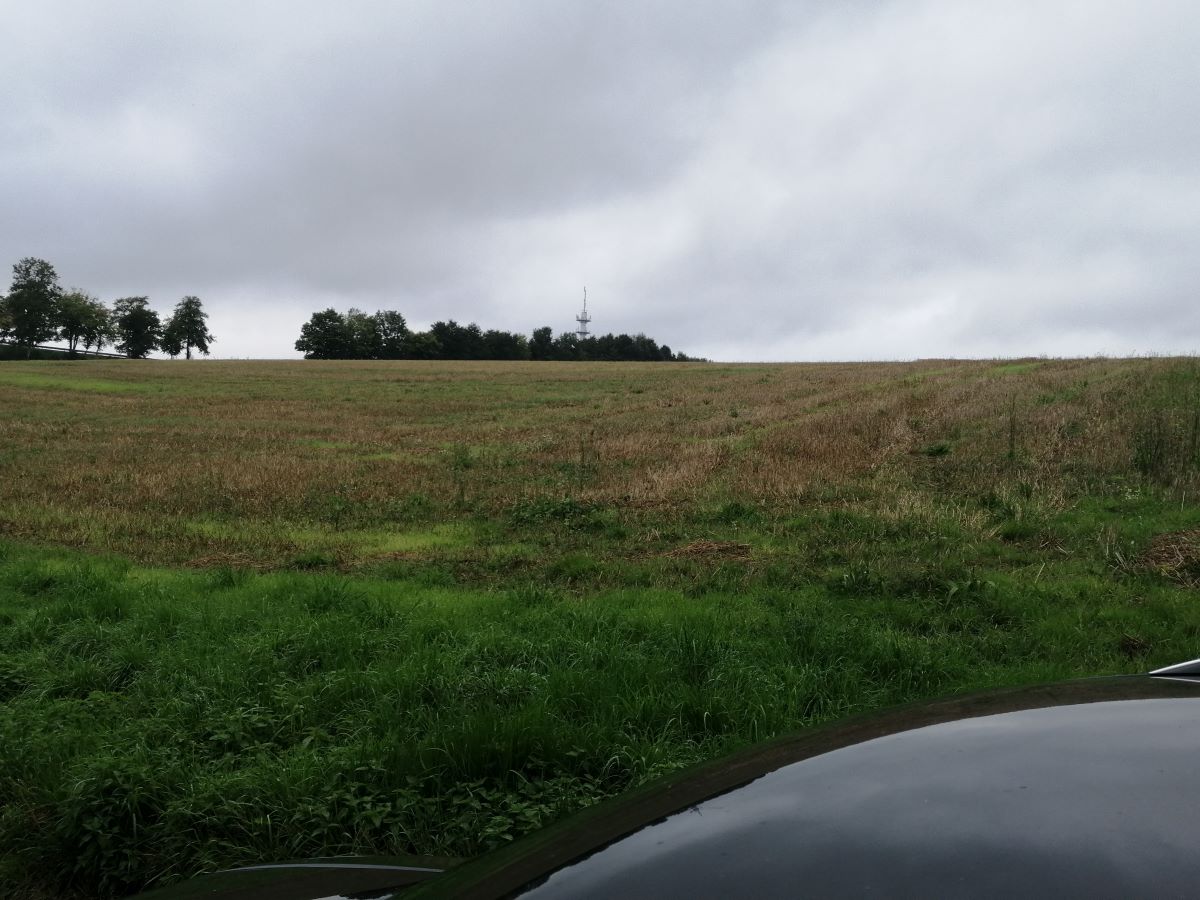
{"x": 143, "y": 457}
{"x": 718, "y": 549}
{"x": 1176, "y": 556}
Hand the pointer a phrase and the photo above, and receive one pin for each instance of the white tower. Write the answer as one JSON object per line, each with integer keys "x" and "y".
{"x": 583, "y": 318}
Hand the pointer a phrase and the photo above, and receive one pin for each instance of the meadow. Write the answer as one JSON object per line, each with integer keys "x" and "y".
{"x": 261, "y": 610}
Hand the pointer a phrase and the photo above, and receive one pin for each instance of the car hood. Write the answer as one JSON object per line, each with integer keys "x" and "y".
{"x": 1083, "y": 788}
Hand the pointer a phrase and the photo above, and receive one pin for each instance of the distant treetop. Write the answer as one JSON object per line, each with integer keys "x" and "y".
{"x": 329, "y": 334}
{"x": 36, "y": 310}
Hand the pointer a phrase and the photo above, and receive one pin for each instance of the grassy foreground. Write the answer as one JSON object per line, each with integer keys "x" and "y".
{"x": 424, "y": 608}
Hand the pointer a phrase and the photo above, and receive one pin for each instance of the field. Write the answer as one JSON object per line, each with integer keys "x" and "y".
{"x": 265, "y": 610}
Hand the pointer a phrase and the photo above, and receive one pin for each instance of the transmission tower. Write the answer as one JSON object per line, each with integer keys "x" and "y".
{"x": 583, "y": 318}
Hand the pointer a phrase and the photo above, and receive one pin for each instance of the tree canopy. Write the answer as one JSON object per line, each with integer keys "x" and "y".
{"x": 82, "y": 319}
{"x": 32, "y": 305}
{"x": 326, "y": 335}
{"x": 187, "y": 328}
{"x": 36, "y": 310}
{"x": 138, "y": 327}
{"x": 329, "y": 334}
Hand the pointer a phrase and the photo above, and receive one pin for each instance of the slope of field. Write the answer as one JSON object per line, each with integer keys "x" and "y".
{"x": 261, "y": 610}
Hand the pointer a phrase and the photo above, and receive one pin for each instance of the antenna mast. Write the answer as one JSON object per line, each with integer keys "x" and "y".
{"x": 583, "y": 318}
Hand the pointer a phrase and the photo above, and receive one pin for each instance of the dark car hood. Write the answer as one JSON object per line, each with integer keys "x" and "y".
{"x": 1080, "y": 789}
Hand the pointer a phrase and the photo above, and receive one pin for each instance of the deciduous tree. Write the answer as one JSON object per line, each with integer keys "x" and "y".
{"x": 32, "y": 303}
{"x": 565, "y": 347}
{"x": 80, "y": 316}
{"x": 385, "y": 335}
{"x": 364, "y": 334}
{"x": 541, "y": 345}
{"x": 326, "y": 336}
{"x": 187, "y": 328}
{"x": 422, "y": 345}
{"x": 393, "y": 333}
{"x": 138, "y": 327}
{"x": 504, "y": 345}
{"x": 100, "y": 329}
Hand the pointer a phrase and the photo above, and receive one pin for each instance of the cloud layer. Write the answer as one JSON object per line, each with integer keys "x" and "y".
{"x": 741, "y": 180}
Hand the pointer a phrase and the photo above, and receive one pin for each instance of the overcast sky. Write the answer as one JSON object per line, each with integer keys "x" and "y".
{"x": 741, "y": 180}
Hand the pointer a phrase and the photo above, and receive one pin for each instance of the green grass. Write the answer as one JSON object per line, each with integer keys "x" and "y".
{"x": 331, "y": 540}
{"x": 65, "y": 383}
{"x": 156, "y": 723}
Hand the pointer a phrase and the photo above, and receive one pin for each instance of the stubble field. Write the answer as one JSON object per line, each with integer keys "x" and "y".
{"x": 264, "y": 610}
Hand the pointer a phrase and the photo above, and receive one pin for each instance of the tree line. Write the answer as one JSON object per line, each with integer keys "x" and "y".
{"x": 37, "y": 309}
{"x": 356, "y": 334}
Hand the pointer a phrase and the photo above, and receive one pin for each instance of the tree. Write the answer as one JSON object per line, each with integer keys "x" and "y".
{"x": 505, "y": 345}
{"x": 32, "y": 303}
{"x": 459, "y": 341}
{"x": 326, "y": 336}
{"x": 565, "y": 347}
{"x": 450, "y": 337}
{"x": 81, "y": 319}
{"x": 138, "y": 328}
{"x": 422, "y": 345}
{"x": 393, "y": 333}
{"x": 171, "y": 343}
{"x": 473, "y": 343}
{"x": 101, "y": 329}
{"x": 385, "y": 335}
{"x": 364, "y": 334}
{"x": 541, "y": 346}
{"x": 187, "y": 328}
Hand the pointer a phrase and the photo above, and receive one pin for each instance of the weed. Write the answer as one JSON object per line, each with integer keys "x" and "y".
{"x": 313, "y": 559}
{"x": 1018, "y": 530}
{"x": 415, "y": 507}
{"x": 573, "y": 568}
{"x": 329, "y": 507}
{"x": 735, "y": 512}
{"x": 461, "y": 461}
{"x": 1012, "y": 429}
{"x": 565, "y": 511}
{"x": 228, "y": 577}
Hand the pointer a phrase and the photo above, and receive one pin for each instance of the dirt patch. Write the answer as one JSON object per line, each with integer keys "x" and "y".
{"x": 710, "y": 549}
{"x": 1175, "y": 555}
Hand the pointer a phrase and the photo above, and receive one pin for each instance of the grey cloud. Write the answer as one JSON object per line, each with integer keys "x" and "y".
{"x": 749, "y": 180}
